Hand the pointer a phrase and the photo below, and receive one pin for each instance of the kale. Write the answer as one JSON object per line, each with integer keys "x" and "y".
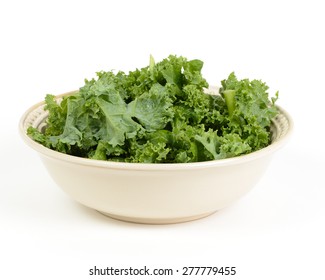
{"x": 162, "y": 113}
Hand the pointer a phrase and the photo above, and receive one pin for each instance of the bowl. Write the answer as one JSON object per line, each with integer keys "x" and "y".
{"x": 155, "y": 193}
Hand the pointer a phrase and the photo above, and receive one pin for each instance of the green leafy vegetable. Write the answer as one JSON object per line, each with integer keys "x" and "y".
{"x": 159, "y": 114}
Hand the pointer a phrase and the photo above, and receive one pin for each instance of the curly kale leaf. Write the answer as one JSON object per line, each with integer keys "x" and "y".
{"x": 152, "y": 109}
{"x": 250, "y": 110}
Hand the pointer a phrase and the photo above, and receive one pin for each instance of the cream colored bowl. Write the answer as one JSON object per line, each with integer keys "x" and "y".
{"x": 155, "y": 193}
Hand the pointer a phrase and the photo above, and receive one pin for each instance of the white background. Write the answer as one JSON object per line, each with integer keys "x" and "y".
{"x": 275, "y": 232}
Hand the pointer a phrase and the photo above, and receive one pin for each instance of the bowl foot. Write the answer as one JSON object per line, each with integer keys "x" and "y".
{"x": 156, "y": 221}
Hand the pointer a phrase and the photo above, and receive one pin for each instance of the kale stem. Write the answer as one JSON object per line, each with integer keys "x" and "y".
{"x": 229, "y": 96}
{"x": 151, "y": 63}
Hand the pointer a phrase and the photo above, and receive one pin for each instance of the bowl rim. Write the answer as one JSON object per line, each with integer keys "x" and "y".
{"x": 151, "y": 166}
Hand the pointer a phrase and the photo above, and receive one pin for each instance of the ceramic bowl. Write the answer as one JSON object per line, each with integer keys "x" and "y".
{"x": 155, "y": 193}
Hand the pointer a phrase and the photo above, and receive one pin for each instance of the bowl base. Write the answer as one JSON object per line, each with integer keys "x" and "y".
{"x": 156, "y": 221}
